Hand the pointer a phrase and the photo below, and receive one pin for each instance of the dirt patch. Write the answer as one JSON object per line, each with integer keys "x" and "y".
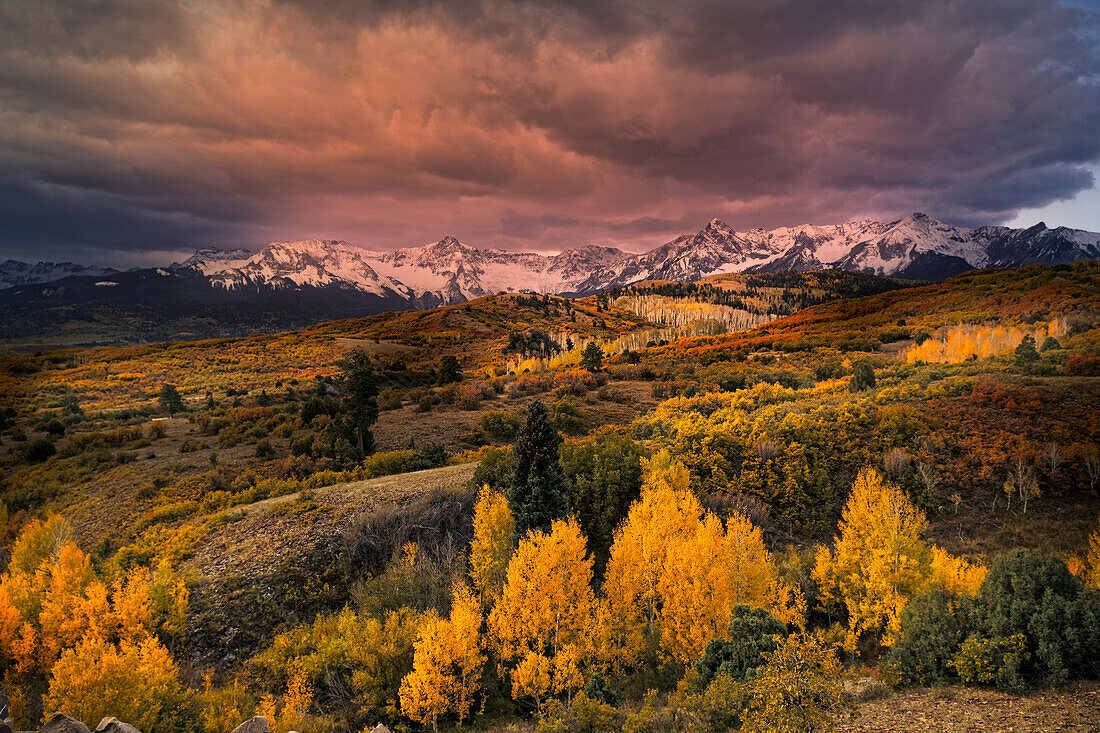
{"x": 1074, "y": 708}
{"x": 370, "y": 346}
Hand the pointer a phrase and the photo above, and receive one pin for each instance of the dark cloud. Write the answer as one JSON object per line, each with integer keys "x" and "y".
{"x": 147, "y": 124}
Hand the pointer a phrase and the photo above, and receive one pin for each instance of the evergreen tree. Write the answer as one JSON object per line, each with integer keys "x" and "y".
{"x": 538, "y": 492}
{"x": 592, "y": 357}
{"x": 170, "y": 400}
{"x": 752, "y": 634}
{"x": 360, "y": 402}
{"x": 1026, "y": 355}
{"x": 449, "y": 371}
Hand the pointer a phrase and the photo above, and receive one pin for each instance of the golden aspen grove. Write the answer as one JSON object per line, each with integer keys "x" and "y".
{"x": 762, "y": 502}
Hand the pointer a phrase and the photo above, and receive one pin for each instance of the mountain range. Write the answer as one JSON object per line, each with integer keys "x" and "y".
{"x": 289, "y": 284}
{"x": 448, "y": 271}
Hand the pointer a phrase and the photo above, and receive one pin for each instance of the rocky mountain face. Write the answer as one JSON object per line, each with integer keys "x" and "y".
{"x": 288, "y": 285}
{"x": 13, "y": 272}
{"x": 448, "y": 271}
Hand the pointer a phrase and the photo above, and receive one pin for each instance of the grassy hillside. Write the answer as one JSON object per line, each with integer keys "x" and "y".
{"x": 254, "y": 492}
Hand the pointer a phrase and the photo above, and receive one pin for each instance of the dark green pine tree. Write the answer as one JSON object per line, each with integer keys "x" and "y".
{"x": 360, "y": 404}
{"x": 538, "y": 492}
{"x": 592, "y": 357}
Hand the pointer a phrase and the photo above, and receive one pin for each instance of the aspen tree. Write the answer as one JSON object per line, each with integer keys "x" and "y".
{"x": 543, "y": 622}
{"x": 492, "y": 544}
{"x": 879, "y": 560}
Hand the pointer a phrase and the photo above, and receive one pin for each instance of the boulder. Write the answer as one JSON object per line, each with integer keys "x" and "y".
{"x": 380, "y": 729}
{"x": 257, "y": 724}
{"x": 114, "y": 725}
{"x": 61, "y": 723}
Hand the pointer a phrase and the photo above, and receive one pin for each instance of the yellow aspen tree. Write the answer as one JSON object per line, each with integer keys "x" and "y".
{"x": 132, "y": 605}
{"x": 447, "y": 662}
{"x": 696, "y": 593}
{"x": 547, "y": 610}
{"x": 424, "y": 691}
{"x": 466, "y": 648}
{"x": 10, "y": 621}
{"x": 296, "y": 701}
{"x": 879, "y": 560}
{"x": 661, "y": 521}
{"x": 752, "y": 575}
{"x": 1092, "y": 560}
{"x": 137, "y": 682}
{"x": 708, "y": 575}
{"x": 75, "y": 602}
{"x": 492, "y": 544}
{"x": 170, "y": 598}
{"x": 957, "y": 575}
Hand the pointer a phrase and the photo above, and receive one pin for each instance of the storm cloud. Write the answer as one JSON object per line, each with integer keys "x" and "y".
{"x": 129, "y": 127}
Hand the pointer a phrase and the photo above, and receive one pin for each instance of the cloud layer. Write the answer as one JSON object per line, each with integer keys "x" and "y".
{"x": 132, "y": 127}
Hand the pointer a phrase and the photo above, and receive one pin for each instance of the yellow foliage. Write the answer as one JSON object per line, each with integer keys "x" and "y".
{"x": 447, "y": 662}
{"x": 800, "y": 687}
{"x": 959, "y": 343}
{"x": 1092, "y": 561}
{"x": 492, "y": 544}
{"x": 224, "y": 708}
{"x": 956, "y": 574}
{"x": 296, "y": 702}
{"x": 661, "y": 521}
{"x": 675, "y": 573}
{"x": 135, "y": 682}
{"x": 547, "y": 608}
{"x": 879, "y": 560}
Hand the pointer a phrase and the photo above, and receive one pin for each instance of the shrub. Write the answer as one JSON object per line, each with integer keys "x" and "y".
{"x": 387, "y": 463}
{"x": 567, "y": 417}
{"x": 137, "y": 681}
{"x": 928, "y": 641}
{"x": 39, "y": 451}
{"x": 752, "y": 635}
{"x": 1038, "y": 599}
{"x": 597, "y": 689}
{"x": 494, "y": 470}
{"x": 264, "y": 449}
{"x": 996, "y": 662}
{"x": 433, "y": 455}
{"x": 799, "y": 688}
{"x": 500, "y": 424}
{"x": 863, "y": 377}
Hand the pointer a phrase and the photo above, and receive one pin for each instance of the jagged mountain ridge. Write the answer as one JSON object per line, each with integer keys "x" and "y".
{"x": 14, "y": 273}
{"x": 448, "y": 271}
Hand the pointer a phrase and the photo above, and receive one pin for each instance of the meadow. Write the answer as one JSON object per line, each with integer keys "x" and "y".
{"x": 729, "y": 505}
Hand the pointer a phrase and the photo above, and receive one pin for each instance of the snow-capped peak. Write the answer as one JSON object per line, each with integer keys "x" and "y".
{"x": 449, "y": 271}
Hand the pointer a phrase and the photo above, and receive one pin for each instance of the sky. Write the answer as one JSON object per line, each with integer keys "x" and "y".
{"x": 134, "y": 131}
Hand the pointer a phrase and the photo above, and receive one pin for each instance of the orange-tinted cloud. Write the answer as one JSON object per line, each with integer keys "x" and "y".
{"x": 152, "y": 125}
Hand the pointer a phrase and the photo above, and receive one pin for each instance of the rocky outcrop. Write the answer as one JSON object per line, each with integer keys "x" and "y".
{"x": 114, "y": 725}
{"x": 61, "y": 723}
{"x": 257, "y": 724}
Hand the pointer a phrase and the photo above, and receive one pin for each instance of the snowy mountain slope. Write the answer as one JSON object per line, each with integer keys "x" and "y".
{"x": 311, "y": 263}
{"x": 14, "y": 273}
{"x": 448, "y": 271}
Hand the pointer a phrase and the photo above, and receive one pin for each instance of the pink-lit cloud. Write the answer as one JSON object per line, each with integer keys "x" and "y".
{"x": 139, "y": 125}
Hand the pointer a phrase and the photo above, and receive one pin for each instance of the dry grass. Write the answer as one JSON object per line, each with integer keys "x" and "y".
{"x": 1075, "y": 708}
{"x": 262, "y": 533}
